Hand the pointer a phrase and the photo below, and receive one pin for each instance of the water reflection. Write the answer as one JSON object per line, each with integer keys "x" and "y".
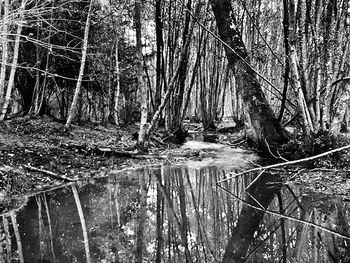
{"x": 176, "y": 214}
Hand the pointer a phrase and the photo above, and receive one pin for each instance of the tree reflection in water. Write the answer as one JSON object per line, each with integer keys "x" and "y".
{"x": 178, "y": 214}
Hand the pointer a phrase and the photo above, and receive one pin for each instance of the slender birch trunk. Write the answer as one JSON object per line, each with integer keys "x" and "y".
{"x": 4, "y": 56}
{"x": 81, "y": 71}
{"x": 83, "y": 224}
{"x": 11, "y": 81}
{"x": 142, "y": 90}
{"x": 117, "y": 87}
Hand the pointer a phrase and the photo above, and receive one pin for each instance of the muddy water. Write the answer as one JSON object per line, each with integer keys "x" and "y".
{"x": 179, "y": 214}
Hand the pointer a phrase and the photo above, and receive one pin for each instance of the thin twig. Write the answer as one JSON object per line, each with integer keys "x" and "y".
{"x": 255, "y": 179}
{"x": 279, "y": 155}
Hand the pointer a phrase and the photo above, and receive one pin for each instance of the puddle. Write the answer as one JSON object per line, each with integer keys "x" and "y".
{"x": 178, "y": 214}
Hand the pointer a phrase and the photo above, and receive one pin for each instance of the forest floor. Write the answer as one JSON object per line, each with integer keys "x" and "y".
{"x": 36, "y": 154}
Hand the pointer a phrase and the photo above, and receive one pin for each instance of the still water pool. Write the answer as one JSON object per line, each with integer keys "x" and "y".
{"x": 179, "y": 213}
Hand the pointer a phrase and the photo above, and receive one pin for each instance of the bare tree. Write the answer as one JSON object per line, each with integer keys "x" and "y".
{"x": 4, "y": 56}
{"x": 142, "y": 89}
{"x": 81, "y": 71}
{"x": 11, "y": 80}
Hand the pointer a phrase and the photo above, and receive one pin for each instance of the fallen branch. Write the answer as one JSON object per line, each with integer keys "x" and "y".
{"x": 49, "y": 173}
{"x": 105, "y": 151}
{"x": 285, "y": 163}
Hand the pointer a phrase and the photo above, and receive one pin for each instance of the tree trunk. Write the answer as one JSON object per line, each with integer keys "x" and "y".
{"x": 172, "y": 83}
{"x": 266, "y": 127}
{"x": 117, "y": 84}
{"x": 4, "y": 56}
{"x": 142, "y": 90}
{"x": 345, "y": 123}
{"x": 81, "y": 71}
{"x": 297, "y": 75}
{"x": 286, "y": 55}
{"x": 11, "y": 81}
{"x": 159, "y": 59}
{"x": 177, "y": 99}
{"x": 303, "y": 109}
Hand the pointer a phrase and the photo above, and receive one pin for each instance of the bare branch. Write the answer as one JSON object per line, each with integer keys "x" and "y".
{"x": 285, "y": 163}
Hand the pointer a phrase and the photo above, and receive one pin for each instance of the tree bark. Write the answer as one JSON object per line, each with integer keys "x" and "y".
{"x": 81, "y": 71}
{"x": 11, "y": 81}
{"x": 142, "y": 90}
{"x": 172, "y": 83}
{"x": 159, "y": 58}
{"x": 4, "y": 56}
{"x": 117, "y": 87}
{"x": 303, "y": 109}
{"x": 297, "y": 74}
{"x": 286, "y": 55}
{"x": 265, "y": 125}
{"x": 177, "y": 99}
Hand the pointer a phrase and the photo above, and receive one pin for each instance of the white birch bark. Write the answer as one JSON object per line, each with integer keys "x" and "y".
{"x": 73, "y": 107}
{"x": 11, "y": 80}
{"x": 140, "y": 82}
{"x": 117, "y": 88}
{"x": 4, "y": 56}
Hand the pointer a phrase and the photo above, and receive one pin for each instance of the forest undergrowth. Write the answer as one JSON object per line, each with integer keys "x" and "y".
{"x": 36, "y": 154}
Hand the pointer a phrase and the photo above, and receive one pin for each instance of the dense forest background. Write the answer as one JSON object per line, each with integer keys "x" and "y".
{"x": 121, "y": 62}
